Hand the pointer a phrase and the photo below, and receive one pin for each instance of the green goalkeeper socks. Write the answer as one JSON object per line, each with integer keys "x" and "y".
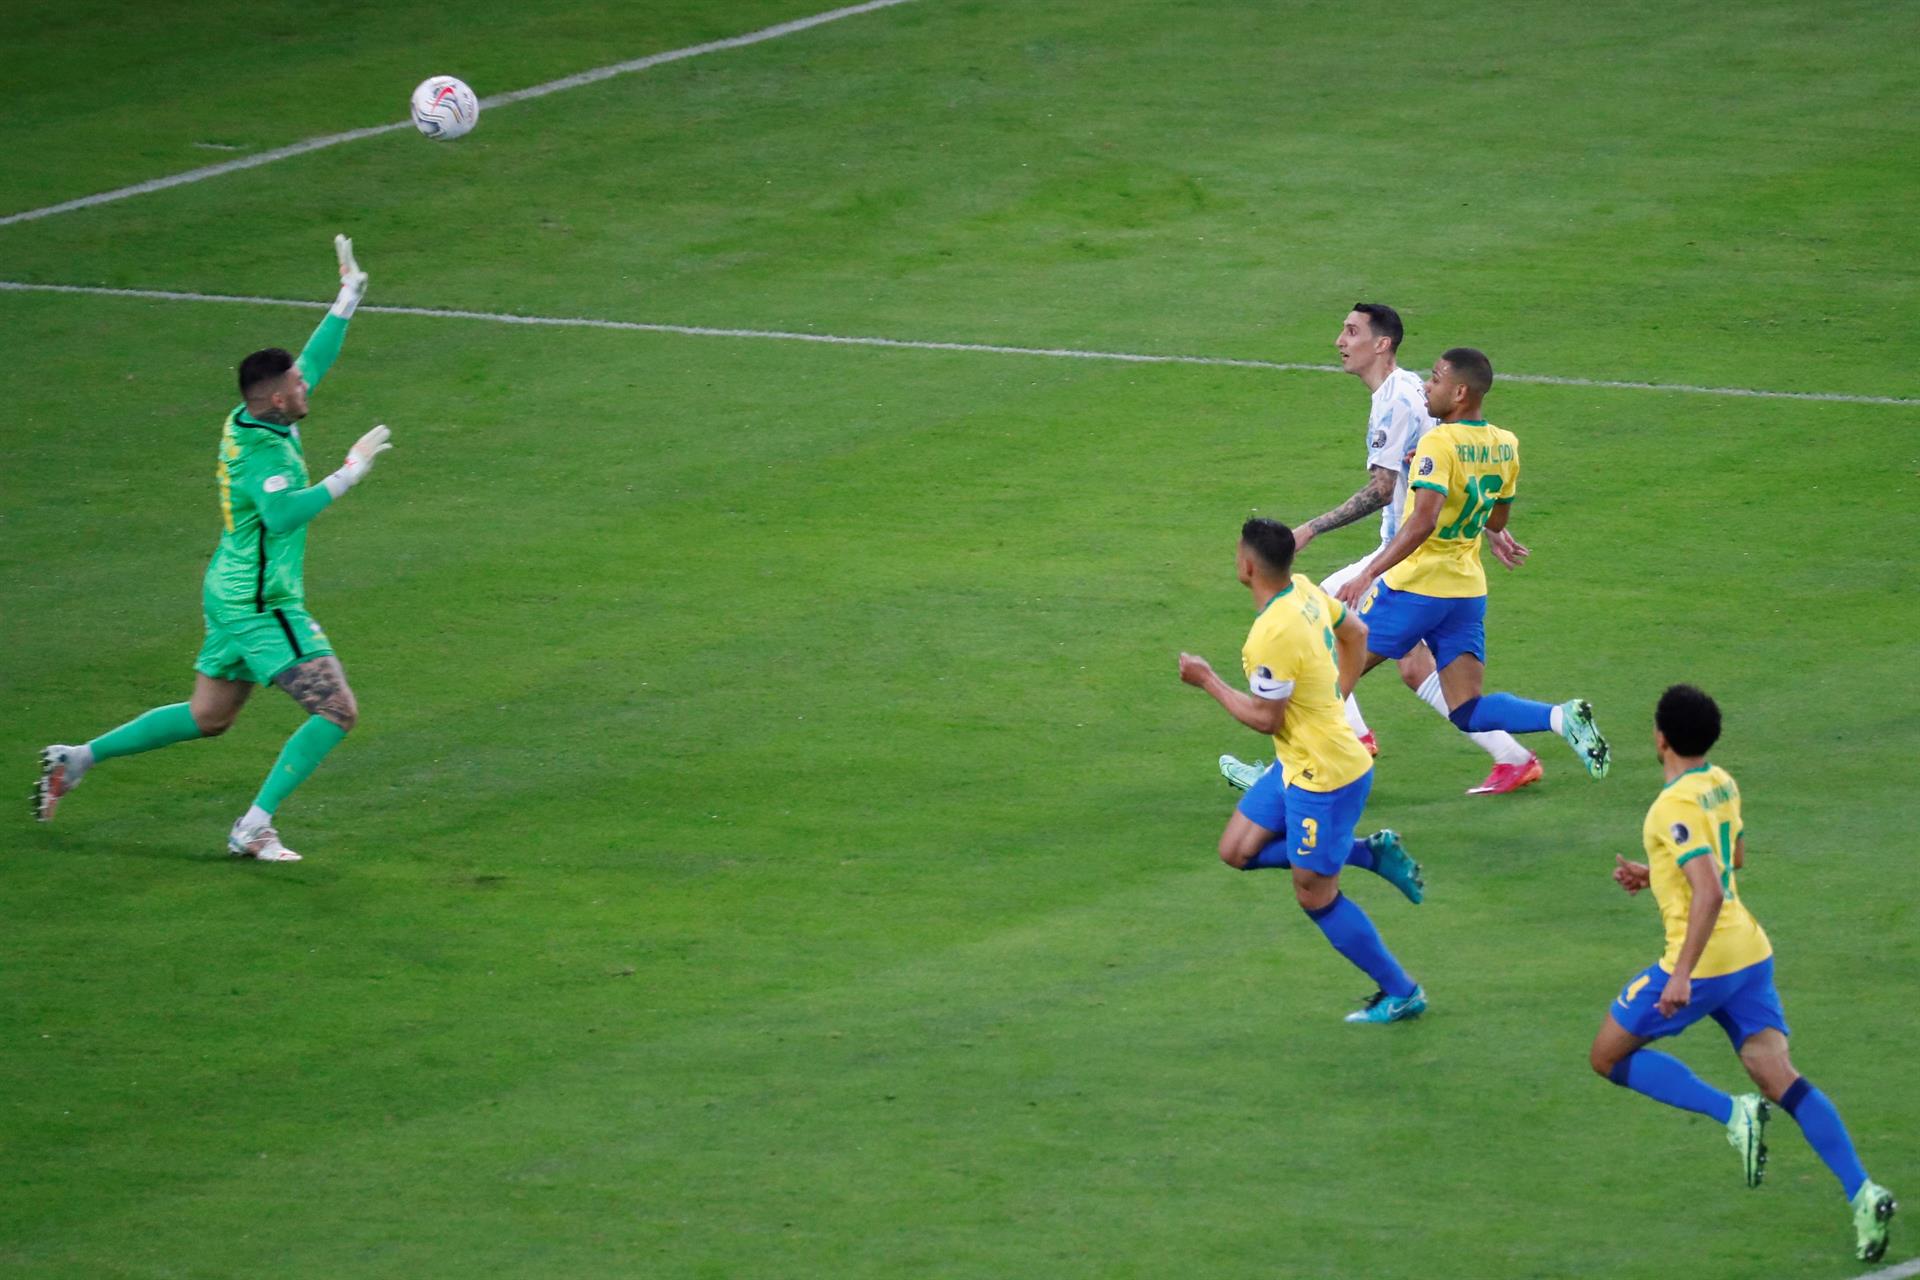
{"x": 301, "y": 756}
{"x": 160, "y": 727}
{"x": 164, "y": 726}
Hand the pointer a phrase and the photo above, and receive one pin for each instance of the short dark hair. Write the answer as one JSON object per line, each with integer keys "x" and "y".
{"x": 1471, "y": 366}
{"x": 1688, "y": 719}
{"x": 1384, "y": 321}
{"x": 262, "y": 366}
{"x": 1270, "y": 541}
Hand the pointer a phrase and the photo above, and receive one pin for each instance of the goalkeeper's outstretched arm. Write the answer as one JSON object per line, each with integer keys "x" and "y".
{"x": 323, "y": 348}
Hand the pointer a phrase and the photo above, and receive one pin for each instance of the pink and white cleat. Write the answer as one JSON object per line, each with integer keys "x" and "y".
{"x": 259, "y": 842}
{"x": 58, "y": 775}
{"x": 1509, "y": 777}
{"x": 1367, "y": 741}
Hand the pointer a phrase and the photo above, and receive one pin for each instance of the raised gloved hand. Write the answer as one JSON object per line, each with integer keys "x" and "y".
{"x": 353, "y": 281}
{"x": 359, "y": 461}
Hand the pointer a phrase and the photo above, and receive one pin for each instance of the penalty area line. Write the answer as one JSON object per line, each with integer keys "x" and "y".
{"x": 913, "y": 344}
{"x": 497, "y": 100}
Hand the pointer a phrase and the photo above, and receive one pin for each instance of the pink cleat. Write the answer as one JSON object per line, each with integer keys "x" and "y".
{"x": 1509, "y": 777}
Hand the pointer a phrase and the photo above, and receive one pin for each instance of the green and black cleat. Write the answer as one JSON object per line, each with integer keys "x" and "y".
{"x": 1873, "y": 1210}
{"x": 1578, "y": 728}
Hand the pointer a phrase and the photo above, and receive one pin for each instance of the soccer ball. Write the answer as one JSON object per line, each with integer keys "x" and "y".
{"x": 444, "y": 108}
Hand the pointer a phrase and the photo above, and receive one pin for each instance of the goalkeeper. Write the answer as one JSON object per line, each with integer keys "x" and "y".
{"x": 258, "y": 629}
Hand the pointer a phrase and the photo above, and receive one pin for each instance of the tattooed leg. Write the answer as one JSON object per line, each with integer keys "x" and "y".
{"x": 320, "y": 687}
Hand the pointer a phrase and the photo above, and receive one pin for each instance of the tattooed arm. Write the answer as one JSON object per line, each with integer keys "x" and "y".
{"x": 1377, "y": 494}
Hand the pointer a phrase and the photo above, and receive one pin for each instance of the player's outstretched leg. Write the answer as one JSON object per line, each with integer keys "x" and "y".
{"x": 1621, "y": 1056}
{"x": 62, "y": 767}
{"x": 1573, "y": 721}
{"x": 1241, "y": 774}
{"x": 1383, "y": 854}
{"x": 1463, "y": 677}
{"x": 1665, "y": 1078}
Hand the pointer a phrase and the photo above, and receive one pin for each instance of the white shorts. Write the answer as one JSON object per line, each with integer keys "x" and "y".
{"x": 1341, "y": 577}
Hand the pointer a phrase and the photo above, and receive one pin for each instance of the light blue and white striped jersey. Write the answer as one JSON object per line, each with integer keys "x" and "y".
{"x": 1395, "y": 424}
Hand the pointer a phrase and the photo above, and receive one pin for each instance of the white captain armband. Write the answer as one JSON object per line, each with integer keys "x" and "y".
{"x": 1262, "y": 684}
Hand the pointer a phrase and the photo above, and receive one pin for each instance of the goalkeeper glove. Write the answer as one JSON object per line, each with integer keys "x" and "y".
{"x": 353, "y": 281}
{"x": 359, "y": 460}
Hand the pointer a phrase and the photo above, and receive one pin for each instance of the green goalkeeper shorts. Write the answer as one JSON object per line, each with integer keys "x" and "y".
{"x": 259, "y": 646}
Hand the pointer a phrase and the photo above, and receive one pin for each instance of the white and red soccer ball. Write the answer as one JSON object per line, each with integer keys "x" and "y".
{"x": 444, "y": 108}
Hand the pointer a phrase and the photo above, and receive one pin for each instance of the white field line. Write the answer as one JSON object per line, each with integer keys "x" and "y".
{"x": 912, "y": 344}
{"x": 497, "y": 100}
{"x": 1899, "y": 1271}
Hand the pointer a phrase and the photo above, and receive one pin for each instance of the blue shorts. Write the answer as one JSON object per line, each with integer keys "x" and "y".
{"x": 1450, "y": 625}
{"x": 1742, "y": 1002}
{"x": 1318, "y": 824}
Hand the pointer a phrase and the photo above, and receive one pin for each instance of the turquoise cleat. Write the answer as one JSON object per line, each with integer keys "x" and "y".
{"x": 1747, "y": 1134}
{"x": 1241, "y": 774}
{"x": 1396, "y": 866}
{"x": 1578, "y": 728}
{"x": 1381, "y": 1007}
{"x": 1873, "y": 1208}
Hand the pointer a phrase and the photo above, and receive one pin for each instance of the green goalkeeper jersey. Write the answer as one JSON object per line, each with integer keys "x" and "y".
{"x": 265, "y": 500}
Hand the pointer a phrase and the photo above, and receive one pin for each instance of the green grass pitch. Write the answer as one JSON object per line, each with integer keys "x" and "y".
{"x": 776, "y": 843}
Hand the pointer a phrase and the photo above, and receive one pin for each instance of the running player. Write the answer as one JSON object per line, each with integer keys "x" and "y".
{"x": 1718, "y": 963}
{"x": 1302, "y": 813}
{"x": 258, "y": 630}
{"x": 1369, "y": 343}
{"x": 1431, "y": 587}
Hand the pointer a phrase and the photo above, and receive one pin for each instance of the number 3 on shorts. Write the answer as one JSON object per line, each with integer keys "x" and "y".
{"x": 1309, "y": 833}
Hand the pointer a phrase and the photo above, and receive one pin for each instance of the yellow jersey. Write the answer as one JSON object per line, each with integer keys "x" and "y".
{"x": 1290, "y": 654}
{"x": 1476, "y": 466}
{"x": 1697, "y": 815}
